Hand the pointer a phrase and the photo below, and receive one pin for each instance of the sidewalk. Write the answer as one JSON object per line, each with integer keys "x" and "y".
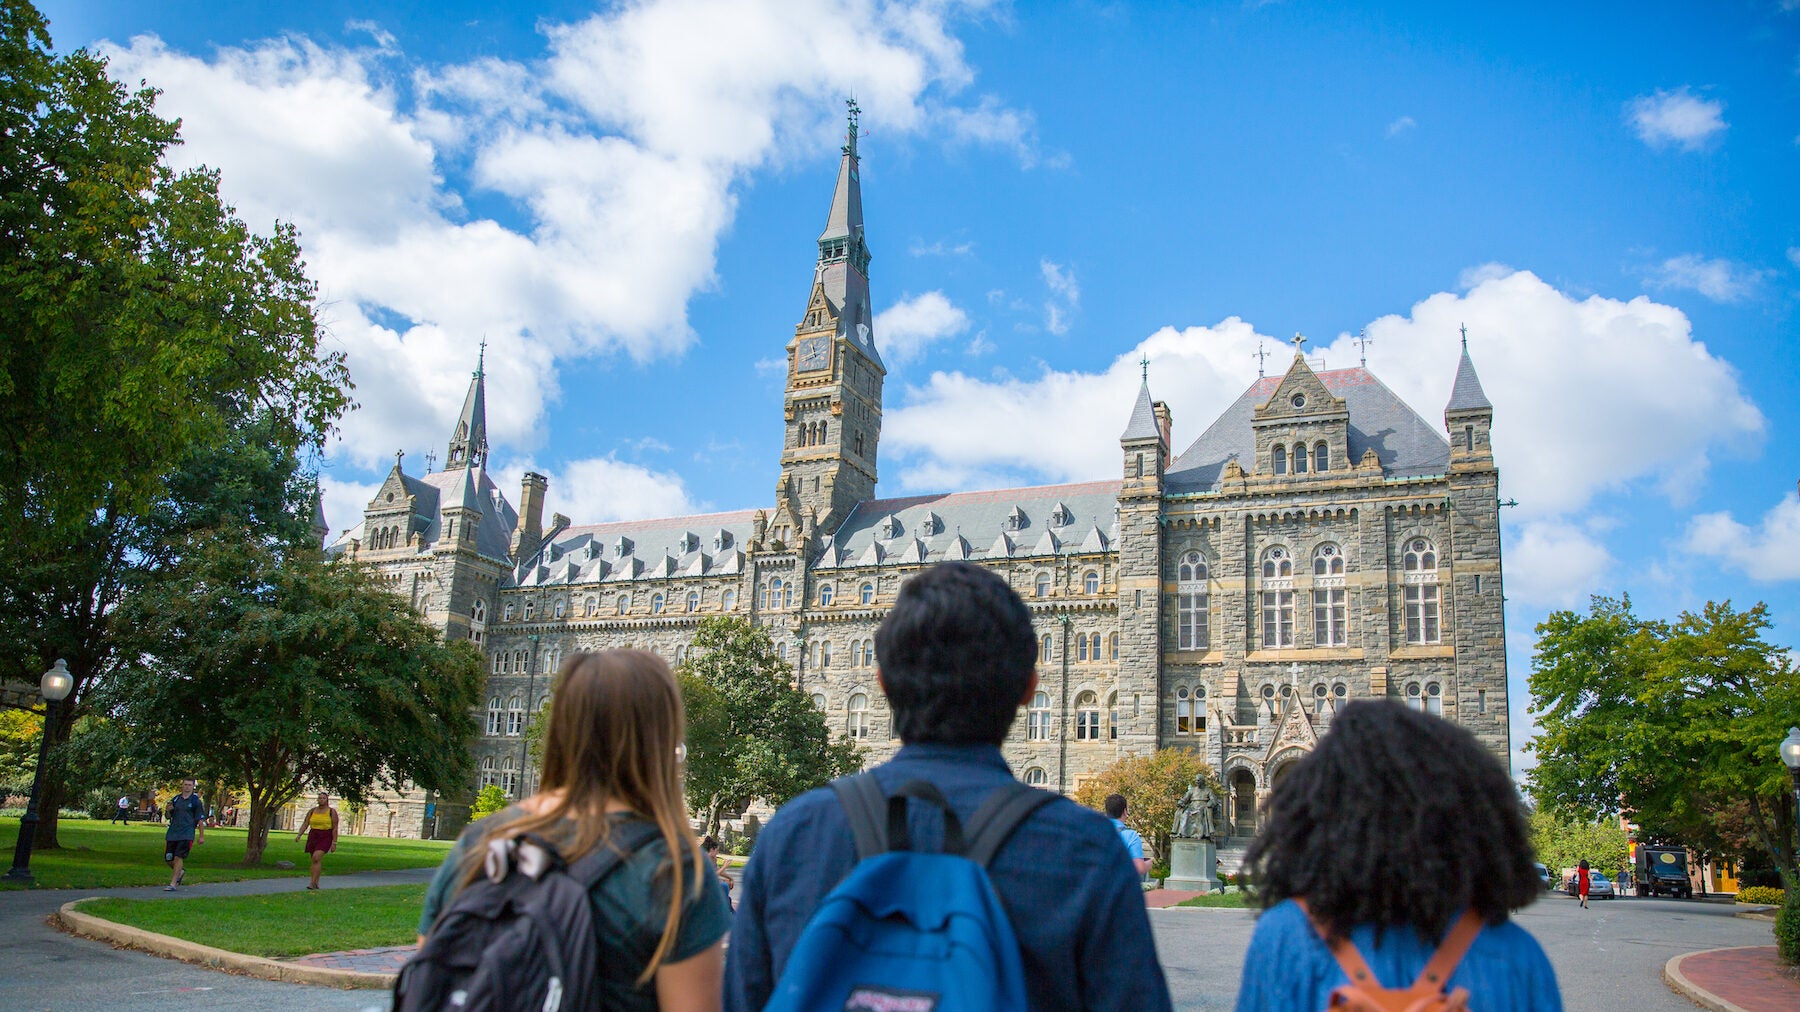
{"x": 1750, "y": 979}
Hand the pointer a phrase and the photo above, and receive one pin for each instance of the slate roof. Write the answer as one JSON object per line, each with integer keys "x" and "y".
{"x": 1404, "y": 443}
{"x": 1466, "y": 394}
{"x": 1143, "y": 418}
{"x": 433, "y": 493}
{"x": 707, "y": 544}
{"x": 1043, "y": 520}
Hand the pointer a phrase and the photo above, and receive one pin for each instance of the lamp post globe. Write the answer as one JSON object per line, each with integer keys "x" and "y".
{"x": 55, "y": 686}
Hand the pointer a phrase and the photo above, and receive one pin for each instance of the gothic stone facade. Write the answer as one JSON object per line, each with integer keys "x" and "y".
{"x": 1319, "y": 542}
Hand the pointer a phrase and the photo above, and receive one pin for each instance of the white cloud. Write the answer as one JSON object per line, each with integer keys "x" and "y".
{"x": 1065, "y": 295}
{"x": 344, "y": 503}
{"x": 1718, "y": 279}
{"x": 1553, "y": 563}
{"x": 1676, "y": 117}
{"x": 1793, "y": 255}
{"x": 600, "y": 489}
{"x": 941, "y": 248}
{"x": 1769, "y": 551}
{"x": 1401, "y": 125}
{"x": 907, "y": 328}
{"x": 615, "y": 176}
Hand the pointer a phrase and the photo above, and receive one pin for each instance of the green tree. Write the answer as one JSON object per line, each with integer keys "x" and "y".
{"x": 491, "y": 799}
{"x": 1562, "y": 842}
{"x": 1151, "y": 785}
{"x": 750, "y": 733}
{"x": 19, "y": 731}
{"x": 1675, "y": 723}
{"x": 142, "y": 319}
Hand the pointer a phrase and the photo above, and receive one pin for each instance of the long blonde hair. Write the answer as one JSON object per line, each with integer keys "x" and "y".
{"x": 615, "y": 728}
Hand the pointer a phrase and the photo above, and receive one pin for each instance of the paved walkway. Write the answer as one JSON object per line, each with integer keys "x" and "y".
{"x": 386, "y": 960}
{"x": 1753, "y": 979}
{"x": 1156, "y": 899}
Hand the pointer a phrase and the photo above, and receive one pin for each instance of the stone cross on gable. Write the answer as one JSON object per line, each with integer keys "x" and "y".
{"x": 1298, "y": 341}
{"x": 397, "y": 455}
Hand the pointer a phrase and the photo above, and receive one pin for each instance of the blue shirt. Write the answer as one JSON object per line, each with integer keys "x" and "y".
{"x": 1134, "y": 844}
{"x": 1289, "y": 969}
{"x": 184, "y": 814}
{"x": 1073, "y": 900}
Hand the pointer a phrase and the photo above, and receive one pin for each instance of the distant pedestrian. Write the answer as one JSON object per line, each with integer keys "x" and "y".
{"x": 321, "y": 831}
{"x": 1134, "y": 843}
{"x": 123, "y": 814}
{"x": 1582, "y": 882}
{"x": 187, "y": 818}
{"x": 1396, "y": 848}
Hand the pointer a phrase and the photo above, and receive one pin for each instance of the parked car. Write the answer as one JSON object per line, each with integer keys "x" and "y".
{"x": 1543, "y": 874}
{"x": 1599, "y": 886}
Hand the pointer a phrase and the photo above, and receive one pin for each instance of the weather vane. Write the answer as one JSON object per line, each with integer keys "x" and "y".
{"x": 1261, "y": 354}
{"x": 1465, "y": 334}
{"x": 1145, "y": 363}
{"x": 430, "y": 460}
{"x": 1362, "y": 341}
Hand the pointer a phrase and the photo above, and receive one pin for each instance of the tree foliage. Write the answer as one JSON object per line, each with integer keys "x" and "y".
{"x": 19, "y": 731}
{"x": 1562, "y": 842}
{"x": 489, "y": 800}
{"x": 1675, "y": 723}
{"x": 143, "y": 319}
{"x": 1151, "y": 785}
{"x": 750, "y": 733}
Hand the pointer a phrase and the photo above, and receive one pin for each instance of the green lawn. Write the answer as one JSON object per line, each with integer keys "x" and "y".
{"x": 96, "y": 855}
{"x": 281, "y": 924}
{"x": 1239, "y": 900}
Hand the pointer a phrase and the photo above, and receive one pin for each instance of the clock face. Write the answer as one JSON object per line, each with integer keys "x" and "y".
{"x": 813, "y": 353}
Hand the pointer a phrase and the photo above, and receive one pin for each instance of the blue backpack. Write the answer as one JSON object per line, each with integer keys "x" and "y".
{"x": 908, "y": 931}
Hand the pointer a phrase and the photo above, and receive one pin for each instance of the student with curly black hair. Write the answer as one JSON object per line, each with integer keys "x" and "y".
{"x": 1377, "y": 844}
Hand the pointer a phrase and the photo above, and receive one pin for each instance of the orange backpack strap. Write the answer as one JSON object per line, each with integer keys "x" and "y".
{"x": 1344, "y": 952}
{"x": 1455, "y": 946}
{"x": 1432, "y": 981}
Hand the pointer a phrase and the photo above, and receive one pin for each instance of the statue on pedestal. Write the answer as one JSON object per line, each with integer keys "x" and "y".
{"x": 1194, "y": 819}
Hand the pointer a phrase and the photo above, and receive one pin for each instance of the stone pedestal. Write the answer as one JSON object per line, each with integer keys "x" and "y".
{"x": 1191, "y": 865}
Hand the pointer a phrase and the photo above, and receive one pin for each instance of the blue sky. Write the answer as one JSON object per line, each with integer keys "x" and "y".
{"x": 623, "y": 199}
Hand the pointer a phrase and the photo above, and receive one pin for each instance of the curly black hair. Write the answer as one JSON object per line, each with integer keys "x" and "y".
{"x": 1397, "y": 818}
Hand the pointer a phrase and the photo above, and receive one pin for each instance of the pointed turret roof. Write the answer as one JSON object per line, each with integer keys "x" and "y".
{"x": 1143, "y": 418}
{"x": 1466, "y": 394}
{"x": 321, "y": 529}
{"x": 468, "y": 442}
{"x": 846, "y": 217}
{"x": 842, "y": 272}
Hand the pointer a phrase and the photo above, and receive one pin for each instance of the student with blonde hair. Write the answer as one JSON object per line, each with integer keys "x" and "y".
{"x": 611, "y": 778}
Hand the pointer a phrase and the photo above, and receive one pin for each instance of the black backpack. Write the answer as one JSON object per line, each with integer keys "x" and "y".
{"x": 522, "y": 942}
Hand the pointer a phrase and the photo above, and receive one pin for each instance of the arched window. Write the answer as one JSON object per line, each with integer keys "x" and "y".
{"x": 858, "y": 724}
{"x": 587, "y": 606}
{"x": 1414, "y": 700}
{"x": 561, "y": 608}
{"x": 530, "y": 606}
{"x": 1081, "y": 646}
{"x": 1421, "y": 595}
{"x": 1087, "y": 717}
{"x": 1044, "y": 649}
{"x": 1300, "y": 458}
{"x": 1277, "y": 598}
{"x": 1330, "y": 628}
{"x": 487, "y": 770}
{"x": 818, "y": 701}
{"x": 693, "y": 600}
{"x": 1112, "y": 716}
{"x": 494, "y": 718}
{"x": 825, "y": 593}
{"x": 1193, "y": 604}
{"x": 624, "y": 603}
{"x": 1042, "y": 587}
{"x": 1321, "y": 456}
{"x": 1035, "y": 777}
{"x": 1090, "y": 583}
{"x": 1112, "y": 646}
{"x": 656, "y": 603}
{"x": 515, "y": 717}
{"x": 1037, "y": 719}
{"x": 824, "y": 653}
{"x": 681, "y": 652}
{"x": 824, "y": 433}
{"x": 781, "y": 651}
{"x": 1184, "y": 711}
{"x": 1280, "y": 459}
{"x": 728, "y": 600}
{"x": 508, "y": 612}
{"x": 509, "y": 776}
{"x": 866, "y": 593}
{"x": 868, "y": 653}
{"x": 1434, "y": 698}
{"x": 478, "y": 611}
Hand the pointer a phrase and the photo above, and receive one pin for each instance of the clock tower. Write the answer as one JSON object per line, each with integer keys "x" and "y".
{"x": 832, "y": 407}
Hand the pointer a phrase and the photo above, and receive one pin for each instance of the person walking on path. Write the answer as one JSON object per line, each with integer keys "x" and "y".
{"x": 612, "y": 759}
{"x": 123, "y": 814}
{"x": 187, "y": 816}
{"x": 1582, "y": 882}
{"x": 1134, "y": 843}
{"x": 1398, "y": 831}
{"x": 957, "y": 657}
{"x": 321, "y": 831}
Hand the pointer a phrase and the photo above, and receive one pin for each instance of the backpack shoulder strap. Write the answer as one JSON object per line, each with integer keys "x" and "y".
{"x": 626, "y": 837}
{"x": 1001, "y": 813}
{"x": 865, "y": 806}
{"x": 1344, "y": 951}
{"x": 1450, "y": 952}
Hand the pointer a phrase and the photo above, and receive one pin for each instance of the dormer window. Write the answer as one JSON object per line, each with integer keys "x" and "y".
{"x": 890, "y": 527}
{"x": 622, "y": 547}
{"x": 1061, "y": 516}
{"x": 1015, "y": 521}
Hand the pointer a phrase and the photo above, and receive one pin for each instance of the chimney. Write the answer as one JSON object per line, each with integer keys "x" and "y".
{"x": 531, "y": 515}
{"x": 1165, "y": 425}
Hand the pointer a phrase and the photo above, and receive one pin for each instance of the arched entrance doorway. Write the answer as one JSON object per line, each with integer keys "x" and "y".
{"x": 1243, "y": 803}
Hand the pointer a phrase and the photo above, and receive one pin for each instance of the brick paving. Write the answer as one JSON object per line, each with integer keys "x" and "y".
{"x": 1157, "y": 898}
{"x": 383, "y": 960}
{"x": 1753, "y": 979}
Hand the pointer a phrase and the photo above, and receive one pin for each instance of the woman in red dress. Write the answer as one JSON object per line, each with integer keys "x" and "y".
{"x": 1581, "y": 883}
{"x": 320, "y": 827}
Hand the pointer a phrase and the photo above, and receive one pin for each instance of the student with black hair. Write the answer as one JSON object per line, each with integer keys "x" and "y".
{"x": 1377, "y": 845}
{"x": 957, "y": 658}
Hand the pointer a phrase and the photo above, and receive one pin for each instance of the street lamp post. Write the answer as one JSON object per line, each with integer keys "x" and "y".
{"x": 1790, "y": 757}
{"x": 55, "y": 686}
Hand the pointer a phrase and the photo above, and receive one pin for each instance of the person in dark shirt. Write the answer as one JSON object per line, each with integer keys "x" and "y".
{"x": 956, "y": 660}
{"x": 187, "y": 816}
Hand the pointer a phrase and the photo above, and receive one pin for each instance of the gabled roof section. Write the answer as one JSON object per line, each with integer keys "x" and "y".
{"x": 1142, "y": 425}
{"x": 1466, "y": 394}
{"x": 940, "y": 527}
{"x": 1299, "y": 394}
{"x": 704, "y": 545}
{"x": 1404, "y": 443}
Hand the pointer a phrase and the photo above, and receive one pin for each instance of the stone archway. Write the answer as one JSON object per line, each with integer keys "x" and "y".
{"x": 1243, "y": 802}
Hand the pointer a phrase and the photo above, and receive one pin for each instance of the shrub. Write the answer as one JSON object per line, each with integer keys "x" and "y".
{"x": 1759, "y": 894}
{"x": 491, "y": 799}
{"x": 1160, "y": 871}
{"x": 1787, "y": 928}
{"x": 66, "y": 814}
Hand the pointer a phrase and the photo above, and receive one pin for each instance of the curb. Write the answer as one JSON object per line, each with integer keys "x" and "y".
{"x": 1673, "y": 977}
{"x": 1758, "y": 914}
{"x": 88, "y": 926}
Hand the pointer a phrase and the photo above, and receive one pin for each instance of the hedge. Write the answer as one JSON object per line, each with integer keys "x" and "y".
{"x": 1762, "y": 895}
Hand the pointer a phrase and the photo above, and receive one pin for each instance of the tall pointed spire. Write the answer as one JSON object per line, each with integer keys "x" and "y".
{"x": 843, "y": 267}
{"x": 468, "y": 443}
{"x": 1466, "y": 393}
